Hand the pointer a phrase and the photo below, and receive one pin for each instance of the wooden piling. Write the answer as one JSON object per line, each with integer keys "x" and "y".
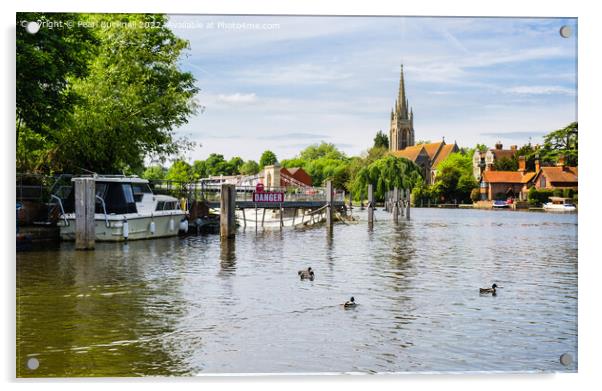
{"x": 370, "y": 204}
{"x": 85, "y": 203}
{"x": 256, "y": 212}
{"x": 329, "y": 205}
{"x": 395, "y": 203}
{"x": 227, "y": 221}
{"x": 407, "y": 204}
{"x": 281, "y": 216}
{"x": 244, "y": 218}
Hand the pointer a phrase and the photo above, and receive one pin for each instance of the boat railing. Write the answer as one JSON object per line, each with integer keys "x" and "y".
{"x": 104, "y": 209}
{"x": 60, "y": 203}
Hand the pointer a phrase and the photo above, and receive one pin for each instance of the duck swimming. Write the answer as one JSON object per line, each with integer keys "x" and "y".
{"x": 351, "y": 303}
{"x": 306, "y": 274}
{"x": 488, "y": 290}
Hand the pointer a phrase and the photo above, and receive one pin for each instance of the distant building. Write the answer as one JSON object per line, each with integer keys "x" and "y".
{"x": 558, "y": 177}
{"x": 506, "y": 184}
{"x": 401, "y": 133}
{"x": 271, "y": 176}
{"x": 428, "y": 157}
{"x": 484, "y": 160}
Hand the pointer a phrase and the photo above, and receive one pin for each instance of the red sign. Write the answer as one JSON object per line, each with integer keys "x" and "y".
{"x": 268, "y": 196}
{"x": 259, "y": 187}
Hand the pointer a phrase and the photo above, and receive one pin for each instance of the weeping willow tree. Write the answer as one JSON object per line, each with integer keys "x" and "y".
{"x": 386, "y": 174}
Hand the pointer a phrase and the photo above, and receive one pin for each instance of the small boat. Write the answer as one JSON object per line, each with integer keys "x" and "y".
{"x": 499, "y": 204}
{"x": 125, "y": 209}
{"x": 559, "y": 204}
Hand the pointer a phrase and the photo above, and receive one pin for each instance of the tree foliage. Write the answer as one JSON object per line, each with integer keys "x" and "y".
{"x": 180, "y": 171}
{"x": 267, "y": 159}
{"x": 561, "y": 142}
{"x": 381, "y": 140}
{"x": 454, "y": 181}
{"x": 322, "y": 162}
{"x": 385, "y": 174}
{"x": 130, "y": 101}
{"x": 155, "y": 172}
{"x": 250, "y": 167}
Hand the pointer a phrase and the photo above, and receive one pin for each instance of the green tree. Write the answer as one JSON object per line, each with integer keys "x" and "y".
{"x": 561, "y": 142}
{"x": 454, "y": 181}
{"x": 234, "y": 165}
{"x": 199, "y": 169}
{"x": 217, "y": 165}
{"x": 133, "y": 98}
{"x": 45, "y": 62}
{"x": 481, "y": 147}
{"x": 180, "y": 171}
{"x": 386, "y": 174}
{"x": 250, "y": 167}
{"x": 506, "y": 164}
{"x": 381, "y": 140}
{"x": 322, "y": 150}
{"x": 267, "y": 159}
{"x": 155, "y": 172}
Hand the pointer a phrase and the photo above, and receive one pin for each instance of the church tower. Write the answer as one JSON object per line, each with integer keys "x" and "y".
{"x": 401, "y": 134}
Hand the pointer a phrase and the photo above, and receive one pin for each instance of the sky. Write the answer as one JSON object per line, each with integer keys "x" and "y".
{"x": 285, "y": 82}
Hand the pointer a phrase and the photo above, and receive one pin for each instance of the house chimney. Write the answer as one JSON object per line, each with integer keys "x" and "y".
{"x": 499, "y": 145}
{"x": 536, "y": 163}
{"x": 513, "y": 147}
{"x": 560, "y": 162}
{"x": 522, "y": 164}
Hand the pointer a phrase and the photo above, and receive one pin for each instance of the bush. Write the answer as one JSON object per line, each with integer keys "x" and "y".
{"x": 538, "y": 197}
{"x": 475, "y": 195}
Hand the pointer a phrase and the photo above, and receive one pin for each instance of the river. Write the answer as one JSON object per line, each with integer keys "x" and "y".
{"x": 193, "y": 305}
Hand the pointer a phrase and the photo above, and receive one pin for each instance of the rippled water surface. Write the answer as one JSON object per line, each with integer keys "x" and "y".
{"x": 193, "y": 305}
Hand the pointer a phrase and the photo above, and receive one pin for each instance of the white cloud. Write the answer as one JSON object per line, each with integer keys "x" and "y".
{"x": 237, "y": 98}
{"x": 540, "y": 90}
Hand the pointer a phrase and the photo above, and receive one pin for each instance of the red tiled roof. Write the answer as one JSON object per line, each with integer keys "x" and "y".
{"x": 447, "y": 150}
{"x": 410, "y": 153}
{"x": 558, "y": 174}
{"x": 503, "y": 153}
{"x": 507, "y": 177}
{"x": 432, "y": 148}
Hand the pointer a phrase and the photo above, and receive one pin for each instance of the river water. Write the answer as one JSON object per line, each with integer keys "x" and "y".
{"x": 189, "y": 306}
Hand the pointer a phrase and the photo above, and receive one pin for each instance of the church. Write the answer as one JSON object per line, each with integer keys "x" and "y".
{"x": 402, "y": 140}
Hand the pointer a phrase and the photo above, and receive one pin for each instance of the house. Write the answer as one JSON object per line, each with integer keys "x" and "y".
{"x": 482, "y": 161}
{"x": 428, "y": 157}
{"x": 558, "y": 177}
{"x": 506, "y": 184}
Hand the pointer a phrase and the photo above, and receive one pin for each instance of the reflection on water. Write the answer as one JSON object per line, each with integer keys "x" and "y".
{"x": 185, "y": 306}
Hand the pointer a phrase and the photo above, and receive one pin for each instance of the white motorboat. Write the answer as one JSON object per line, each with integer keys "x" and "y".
{"x": 126, "y": 209}
{"x": 559, "y": 204}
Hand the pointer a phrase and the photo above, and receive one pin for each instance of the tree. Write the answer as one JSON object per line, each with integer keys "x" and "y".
{"x": 199, "y": 169}
{"x": 250, "y": 167}
{"x": 455, "y": 180}
{"x": 381, "y": 140}
{"x": 155, "y": 172}
{"x": 322, "y": 150}
{"x": 234, "y": 165}
{"x": 45, "y": 61}
{"x": 506, "y": 164}
{"x": 133, "y": 98}
{"x": 180, "y": 171}
{"x": 267, "y": 159}
{"x": 481, "y": 147}
{"x": 561, "y": 142}
{"x": 386, "y": 174}
{"x": 217, "y": 165}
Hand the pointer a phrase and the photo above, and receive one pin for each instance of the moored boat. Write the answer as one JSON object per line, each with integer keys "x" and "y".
{"x": 499, "y": 204}
{"x": 559, "y": 204}
{"x": 126, "y": 209}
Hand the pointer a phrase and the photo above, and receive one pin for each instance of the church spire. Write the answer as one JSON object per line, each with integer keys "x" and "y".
{"x": 403, "y": 102}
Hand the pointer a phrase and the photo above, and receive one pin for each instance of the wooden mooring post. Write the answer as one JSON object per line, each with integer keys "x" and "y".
{"x": 395, "y": 205}
{"x": 329, "y": 205}
{"x": 227, "y": 219}
{"x": 408, "y": 204}
{"x": 370, "y": 204}
{"x": 85, "y": 203}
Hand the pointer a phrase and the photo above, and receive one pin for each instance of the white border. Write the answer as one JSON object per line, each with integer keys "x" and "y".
{"x": 590, "y": 69}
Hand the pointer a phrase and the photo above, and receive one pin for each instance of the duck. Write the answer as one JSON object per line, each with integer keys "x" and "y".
{"x": 350, "y": 303}
{"x": 488, "y": 290}
{"x": 306, "y": 274}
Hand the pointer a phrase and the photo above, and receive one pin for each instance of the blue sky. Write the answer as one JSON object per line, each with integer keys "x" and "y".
{"x": 288, "y": 82}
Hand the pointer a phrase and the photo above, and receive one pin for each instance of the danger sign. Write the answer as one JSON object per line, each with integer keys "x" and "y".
{"x": 268, "y": 196}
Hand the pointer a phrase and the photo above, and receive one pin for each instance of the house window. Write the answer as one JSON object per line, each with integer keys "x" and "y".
{"x": 542, "y": 182}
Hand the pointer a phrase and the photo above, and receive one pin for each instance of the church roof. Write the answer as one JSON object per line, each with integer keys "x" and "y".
{"x": 445, "y": 151}
{"x": 410, "y": 153}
